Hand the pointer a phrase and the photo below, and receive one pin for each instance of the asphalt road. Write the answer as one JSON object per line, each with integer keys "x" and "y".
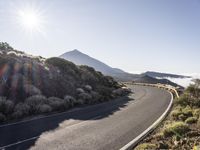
{"x": 106, "y": 126}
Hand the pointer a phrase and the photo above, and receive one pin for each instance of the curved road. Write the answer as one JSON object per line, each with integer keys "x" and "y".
{"x": 109, "y": 125}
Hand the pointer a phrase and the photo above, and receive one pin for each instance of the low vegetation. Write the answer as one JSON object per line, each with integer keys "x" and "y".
{"x": 146, "y": 146}
{"x": 32, "y": 85}
{"x": 175, "y": 128}
{"x": 181, "y": 129}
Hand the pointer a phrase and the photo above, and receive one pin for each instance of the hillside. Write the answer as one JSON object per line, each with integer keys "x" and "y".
{"x": 33, "y": 85}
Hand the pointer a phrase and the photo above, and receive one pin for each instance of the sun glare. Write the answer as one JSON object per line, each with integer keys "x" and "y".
{"x": 29, "y": 19}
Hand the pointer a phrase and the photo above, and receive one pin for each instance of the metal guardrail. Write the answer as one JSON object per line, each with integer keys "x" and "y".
{"x": 163, "y": 86}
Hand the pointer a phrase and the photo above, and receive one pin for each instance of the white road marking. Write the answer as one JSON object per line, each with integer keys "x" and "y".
{"x": 132, "y": 143}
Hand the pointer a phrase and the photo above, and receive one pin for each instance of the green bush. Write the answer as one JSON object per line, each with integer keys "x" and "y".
{"x": 17, "y": 114}
{"x": 87, "y": 98}
{"x": 96, "y": 97}
{"x": 44, "y": 108}
{"x": 196, "y": 112}
{"x": 88, "y": 88}
{"x": 194, "y": 90}
{"x": 57, "y": 104}
{"x": 196, "y": 102}
{"x": 5, "y": 46}
{"x": 80, "y": 102}
{"x": 63, "y": 65}
{"x": 146, "y": 146}
{"x": 21, "y": 110}
{"x": 6, "y": 106}
{"x": 70, "y": 101}
{"x": 191, "y": 120}
{"x": 176, "y": 113}
{"x": 175, "y": 128}
{"x": 198, "y": 123}
{"x": 184, "y": 100}
{"x": 105, "y": 93}
{"x": 2, "y": 117}
{"x": 187, "y": 111}
{"x": 35, "y": 101}
{"x": 182, "y": 117}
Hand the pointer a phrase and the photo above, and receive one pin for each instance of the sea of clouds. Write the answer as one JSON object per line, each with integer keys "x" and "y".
{"x": 185, "y": 81}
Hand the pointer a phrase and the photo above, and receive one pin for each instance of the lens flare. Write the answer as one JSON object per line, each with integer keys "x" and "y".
{"x": 29, "y": 19}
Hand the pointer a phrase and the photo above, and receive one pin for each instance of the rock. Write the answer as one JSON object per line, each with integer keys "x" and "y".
{"x": 117, "y": 92}
{"x": 121, "y": 91}
{"x": 176, "y": 143}
{"x": 162, "y": 145}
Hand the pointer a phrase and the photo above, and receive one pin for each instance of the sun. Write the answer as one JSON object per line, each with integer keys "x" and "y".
{"x": 29, "y": 19}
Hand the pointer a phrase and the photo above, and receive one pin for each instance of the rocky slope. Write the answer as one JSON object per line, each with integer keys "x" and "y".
{"x": 33, "y": 85}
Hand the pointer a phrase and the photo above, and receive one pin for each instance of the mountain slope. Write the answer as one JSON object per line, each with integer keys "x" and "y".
{"x": 80, "y": 58}
{"x": 163, "y": 75}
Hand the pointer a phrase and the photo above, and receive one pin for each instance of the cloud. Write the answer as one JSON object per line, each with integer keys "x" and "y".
{"x": 185, "y": 82}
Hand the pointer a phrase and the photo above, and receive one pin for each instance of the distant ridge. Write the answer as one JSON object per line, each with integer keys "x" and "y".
{"x": 151, "y": 80}
{"x": 163, "y": 75}
{"x": 80, "y": 58}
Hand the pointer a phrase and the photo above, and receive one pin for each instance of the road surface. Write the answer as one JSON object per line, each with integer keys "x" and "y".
{"x": 106, "y": 126}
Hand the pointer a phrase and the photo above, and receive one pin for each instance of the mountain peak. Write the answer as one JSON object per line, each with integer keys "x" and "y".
{"x": 80, "y": 58}
{"x": 76, "y": 51}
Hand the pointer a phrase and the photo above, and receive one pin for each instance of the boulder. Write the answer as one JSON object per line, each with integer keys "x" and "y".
{"x": 121, "y": 91}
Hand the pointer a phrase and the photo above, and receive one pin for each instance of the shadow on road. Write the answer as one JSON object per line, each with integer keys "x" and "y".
{"x": 27, "y": 130}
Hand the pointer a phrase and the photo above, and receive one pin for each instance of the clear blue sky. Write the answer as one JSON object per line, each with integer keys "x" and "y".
{"x": 134, "y": 35}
